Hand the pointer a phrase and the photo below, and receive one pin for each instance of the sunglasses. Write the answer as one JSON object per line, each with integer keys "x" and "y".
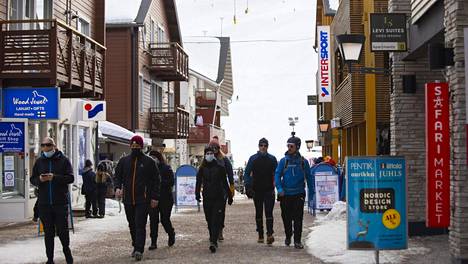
{"x": 263, "y": 145}
{"x": 47, "y": 145}
{"x": 291, "y": 145}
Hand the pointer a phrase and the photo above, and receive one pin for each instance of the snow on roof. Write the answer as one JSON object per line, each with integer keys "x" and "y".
{"x": 122, "y": 11}
{"x": 203, "y": 55}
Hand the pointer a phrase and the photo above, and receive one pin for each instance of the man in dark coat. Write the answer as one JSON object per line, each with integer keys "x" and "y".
{"x": 88, "y": 189}
{"x": 259, "y": 184}
{"x": 137, "y": 180}
{"x": 52, "y": 173}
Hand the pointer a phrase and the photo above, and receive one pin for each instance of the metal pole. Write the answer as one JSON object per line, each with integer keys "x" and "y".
{"x": 376, "y": 257}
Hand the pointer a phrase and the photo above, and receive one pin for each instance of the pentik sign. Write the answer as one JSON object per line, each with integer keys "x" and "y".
{"x": 437, "y": 155}
{"x": 324, "y": 78}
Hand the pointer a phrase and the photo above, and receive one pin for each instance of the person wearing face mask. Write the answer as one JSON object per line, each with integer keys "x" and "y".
{"x": 292, "y": 173}
{"x": 211, "y": 177}
{"x": 137, "y": 180}
{"x": 52, "y": 173}
{"x": 259, "y": 184}
{"x": 166, "y": 201}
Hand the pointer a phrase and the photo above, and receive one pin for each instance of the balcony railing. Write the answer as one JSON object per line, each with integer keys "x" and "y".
{"x": 169, "y": 62}
{"x": 50, "y": 49}
{"x": 205, "y": 98}
{"x": 203, "y": 134}
{"x": 169, "y": 123}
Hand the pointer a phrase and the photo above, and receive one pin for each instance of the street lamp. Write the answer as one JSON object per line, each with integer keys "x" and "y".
{"x": 309, "y": 144}
{"x": 293, "y": 122}
{"x": 350, "y": 46}
{"x": 323, "y": 126}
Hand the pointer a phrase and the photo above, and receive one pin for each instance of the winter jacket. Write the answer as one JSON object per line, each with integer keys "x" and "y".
{"x": 291, "y": 180}
{"x": 138, "y": 177}
{"x": 211, "y": 177}
{"x": 103, "y": 180}
{"x": 226, "y": 163}
{"x": 54, "y": 192}
{"x": 167, "y": 181}
{"x": 262, "y": 166}
{"x": 89, "y": 181}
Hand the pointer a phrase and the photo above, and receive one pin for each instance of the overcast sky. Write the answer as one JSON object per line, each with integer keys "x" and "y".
{"x": 271, "y": 79}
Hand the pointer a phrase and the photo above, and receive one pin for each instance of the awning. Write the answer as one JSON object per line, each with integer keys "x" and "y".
{"x": 114, "y": 132}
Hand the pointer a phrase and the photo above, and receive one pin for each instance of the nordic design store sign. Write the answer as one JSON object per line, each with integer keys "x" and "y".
{"x": 31, "y": 103}
{"x": 376, "y": 198}
{"x": 437, "y": 155}
{"x": 11, "y": 136}
{"x": 324, "y": 80}
{"x": 388, "y": 32}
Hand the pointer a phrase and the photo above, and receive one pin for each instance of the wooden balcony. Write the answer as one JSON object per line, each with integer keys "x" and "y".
{"x": 50, "y": 53}
{"x": 203, "y": 134}
{"x": 169, "y": 123}
{"x": 205, "y": 98}
{"x": 169, "y": 62}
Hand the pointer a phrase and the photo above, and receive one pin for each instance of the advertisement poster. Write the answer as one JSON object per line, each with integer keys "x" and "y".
{"x": 326, "y": 189}
{"x": 12, "y": 137}
{"x": 9, "y": 180}
{"x": 31, "y": 103}
{"x": 376, "y": 195}
{"x": 186, "y": 180}
{"x": 9, "y": 163}
{"x": 324, "y": 71}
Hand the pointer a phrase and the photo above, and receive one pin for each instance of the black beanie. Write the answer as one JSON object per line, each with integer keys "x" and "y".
{"x": 263, "y": 141}
{"x": 208, "y": 148}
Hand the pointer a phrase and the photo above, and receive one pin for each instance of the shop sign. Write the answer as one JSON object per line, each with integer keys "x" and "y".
{"x": 186, "y": 179}
{"x": 11, "y": 136}
{"x": 388, "y": 32}
{"x": 93, "y": 111}
{"x": 376, "y": 195}
{"x": 31, "y": 103}
{"x": 324, "y": 80}
{"x": 437, "y": 155}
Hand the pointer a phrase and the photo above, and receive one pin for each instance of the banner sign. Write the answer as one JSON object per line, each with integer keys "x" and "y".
{"x": 388, "y": 32}
{"x": 31, "y": 103}
{"x": 186, "y": 179}
{"x": 376, "y": 195}
{"x": 326, "y": 186}
{"x": 12, "y": 136}
{"x": 437, "y": 155}
{"x": 324, "y": 80}
{"x": 93, "y": 111}
{"x": 9, "y": 179}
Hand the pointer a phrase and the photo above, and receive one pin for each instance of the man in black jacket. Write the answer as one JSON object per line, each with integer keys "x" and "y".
{"x": 137, "y": 180}
{"x": 52, "y": 173}
{"x": 259, "y": 184}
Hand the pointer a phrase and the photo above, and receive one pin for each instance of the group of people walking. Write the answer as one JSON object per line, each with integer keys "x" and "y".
{"x": 145, "y": 183}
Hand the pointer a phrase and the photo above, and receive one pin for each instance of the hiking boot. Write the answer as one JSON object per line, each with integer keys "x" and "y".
{"x": 133, "y": 254}
{"x": 287, "y": 241}
{"x": 138, "y": 256}
{"x": 261, "y": 239}
{"x": 298, "y": 245}
{"x": 213, "y": 247}
{"x": 270, "y": 239}
{"x": 171, "y": 239}
{"x": 221, "y": 237}
{"x": 153, "y": 246}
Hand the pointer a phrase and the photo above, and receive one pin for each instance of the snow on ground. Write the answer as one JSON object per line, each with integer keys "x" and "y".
{"x": 33, "y": 250}
{"x": 327, "y": 241}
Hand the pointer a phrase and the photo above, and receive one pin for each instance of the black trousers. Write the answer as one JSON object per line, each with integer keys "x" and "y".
{"x": 91, "y": 203}
{"x": 292, "y": 212}
{"x": 223, "y": 215}
{"x": 101, "y": 201}
{"x": 214, "y": 215}
{"x": 137, "y": 216}
{"x": 55, "y": 221}
{"x": 163, "y": 213}
{"x": 36, "y": 210}
{"x": 264, "y": 200}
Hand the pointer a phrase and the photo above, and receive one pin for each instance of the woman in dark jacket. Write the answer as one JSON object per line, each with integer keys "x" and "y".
{"x": 89, "y": 189}
{"x": 103, "y": 179}
{"x": 211, "y": 177}
{"x": 166, "y": 201}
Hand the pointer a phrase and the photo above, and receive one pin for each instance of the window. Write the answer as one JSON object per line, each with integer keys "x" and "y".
{"x": 83, "y": 26}
{"x": 171, "y": 101}
{"x": 161, "y": 38}
{"x": 152, "y": 32}
{"x": 141, "y": 89}
{"x": 83, "y": 146}
{"x": 29, "y": 9}
{"x": 143, "y": 36}
{"x": 156, "y": 96}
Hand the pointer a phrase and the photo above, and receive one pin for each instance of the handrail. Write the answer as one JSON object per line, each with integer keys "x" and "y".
{"x": 57, "y": 22}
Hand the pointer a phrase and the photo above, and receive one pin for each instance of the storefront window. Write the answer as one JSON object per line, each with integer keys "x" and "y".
{"x": 13, "y": 177}
{"x": 66, "y": 140}
{"x": 82, "y": 148}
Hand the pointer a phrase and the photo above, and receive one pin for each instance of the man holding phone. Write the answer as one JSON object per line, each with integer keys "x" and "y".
{"x": 52, "y": 172}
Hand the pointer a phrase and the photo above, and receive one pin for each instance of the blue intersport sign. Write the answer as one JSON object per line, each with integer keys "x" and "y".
{"x": 11, "y": 136}
{"x": 31, "y": 103}
{"x": 376, "y": 195}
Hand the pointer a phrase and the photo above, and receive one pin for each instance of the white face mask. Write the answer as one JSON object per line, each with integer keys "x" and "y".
{"x": 209, "y": 157}
{"x": 49, "y": 154}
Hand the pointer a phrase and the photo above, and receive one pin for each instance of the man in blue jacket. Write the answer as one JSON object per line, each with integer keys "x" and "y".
{"x": 290, "y": 177}
{"x": 259, "y": 184}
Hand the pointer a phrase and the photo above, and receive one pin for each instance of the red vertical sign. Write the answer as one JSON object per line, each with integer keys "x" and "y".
{"x": 437, "y": 155}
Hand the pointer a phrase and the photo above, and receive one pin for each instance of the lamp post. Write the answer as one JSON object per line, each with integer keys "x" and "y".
{"x": 323, "y": 126}
{"x": 309, "y": 144}
{"x": 293, "y": 122}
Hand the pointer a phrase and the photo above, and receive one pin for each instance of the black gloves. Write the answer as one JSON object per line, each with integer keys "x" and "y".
{"x": 249, "y": 192}
{"x": 198, "y": 197}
